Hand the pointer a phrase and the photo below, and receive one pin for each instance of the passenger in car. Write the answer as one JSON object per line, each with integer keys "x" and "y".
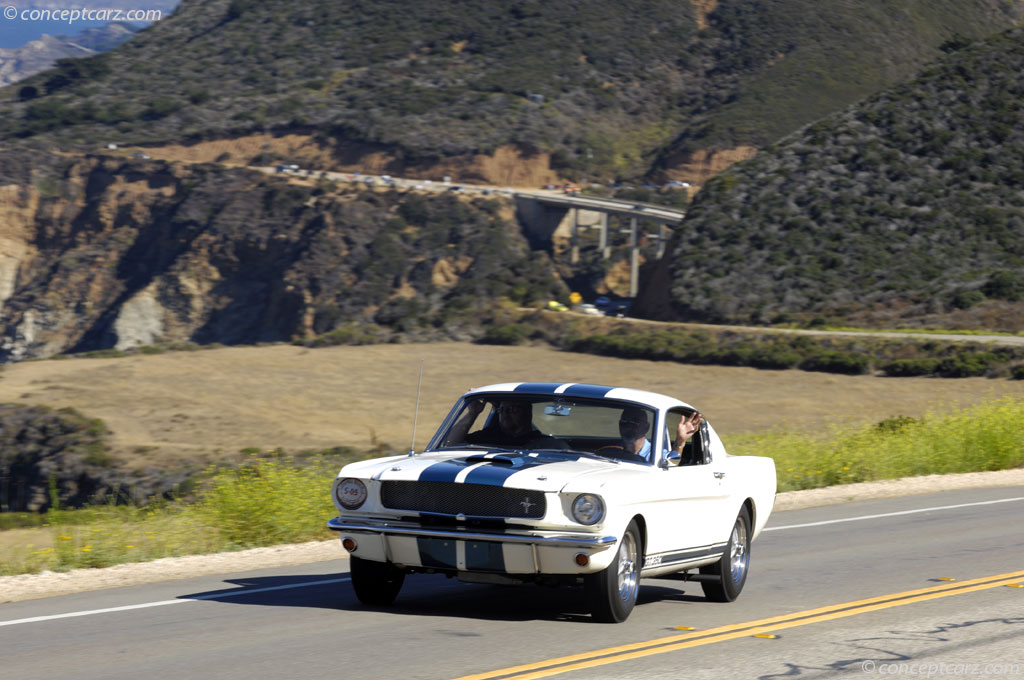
{"x": 687, "y": 427}
{"x": 633, "y": 427}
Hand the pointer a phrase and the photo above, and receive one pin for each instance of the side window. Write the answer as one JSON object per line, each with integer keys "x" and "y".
{"x": 694, "y": 449}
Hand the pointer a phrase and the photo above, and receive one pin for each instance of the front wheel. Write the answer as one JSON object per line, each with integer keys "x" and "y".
{"x": 612, "y": 592}
{"x": 376, "y": 583}
{"x": 732, "y": 568}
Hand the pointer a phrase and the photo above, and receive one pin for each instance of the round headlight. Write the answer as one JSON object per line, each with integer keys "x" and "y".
{"x": 588, "y": 509}
{"x": 351, "y": 493}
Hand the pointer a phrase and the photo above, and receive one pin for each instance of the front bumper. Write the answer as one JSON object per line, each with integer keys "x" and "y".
{"x": 408, "y": 544}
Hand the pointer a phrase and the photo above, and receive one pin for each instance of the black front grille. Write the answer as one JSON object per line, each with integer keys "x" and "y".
{"x": 471, "y": 500}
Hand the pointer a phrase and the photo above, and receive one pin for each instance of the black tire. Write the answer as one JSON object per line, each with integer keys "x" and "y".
{"x": 733, "y": 567}
{"x": 376, "y": 583}
{"x": 612, "y": 593}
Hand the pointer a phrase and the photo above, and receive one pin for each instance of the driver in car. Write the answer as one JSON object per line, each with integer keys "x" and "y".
{"x": 511, "y": 429}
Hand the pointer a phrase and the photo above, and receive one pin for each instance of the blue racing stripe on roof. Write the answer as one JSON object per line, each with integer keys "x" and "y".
{"x": 588, "y": 390}
{"x": 542, "y": 388}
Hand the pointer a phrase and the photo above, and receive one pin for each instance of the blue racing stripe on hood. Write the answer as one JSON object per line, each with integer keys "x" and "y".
{"x": 445, "y": 471}
{"x": 596, "y": 391}
{"x": 490, "y": 473}
{"x": 495, "y": 474}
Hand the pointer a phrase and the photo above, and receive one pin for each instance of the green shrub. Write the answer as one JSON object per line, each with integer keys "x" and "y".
{"x": 835, "y": 361}
{"x": 967, "y": 365}
{"x": 507, "y": 334}
{"x": 902, "y": 368}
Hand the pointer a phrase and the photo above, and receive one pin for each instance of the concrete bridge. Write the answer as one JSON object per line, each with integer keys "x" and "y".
{"x": 547, "y": 216}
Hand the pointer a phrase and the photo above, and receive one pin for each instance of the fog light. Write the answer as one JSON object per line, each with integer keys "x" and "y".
{"x": 348, "y": 544}
{"x": 582, "y": 559}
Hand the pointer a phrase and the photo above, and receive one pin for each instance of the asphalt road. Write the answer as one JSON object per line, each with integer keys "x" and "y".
{"x": 850, "y": 590}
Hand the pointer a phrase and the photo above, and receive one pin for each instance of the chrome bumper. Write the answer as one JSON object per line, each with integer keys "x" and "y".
{"x": 404, "y": 529}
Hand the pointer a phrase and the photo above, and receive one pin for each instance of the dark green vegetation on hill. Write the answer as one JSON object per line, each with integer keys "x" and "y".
{"x": 607, "y": 87}
{"x": 48, "y": 455}
{"x": 851, "y": 355}
{"x": 905, "y": 209}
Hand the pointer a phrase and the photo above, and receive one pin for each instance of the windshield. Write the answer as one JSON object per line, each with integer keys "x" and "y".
{"x": 608, "y": 428}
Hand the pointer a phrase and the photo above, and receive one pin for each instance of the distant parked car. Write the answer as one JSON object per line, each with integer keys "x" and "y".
{"x": 620, "y": 308}
{"x": 587, "y": 308}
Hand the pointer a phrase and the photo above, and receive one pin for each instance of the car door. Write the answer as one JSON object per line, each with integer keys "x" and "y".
{"x": 693, "y": 499}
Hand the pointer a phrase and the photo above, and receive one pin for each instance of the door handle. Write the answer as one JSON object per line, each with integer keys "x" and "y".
{"x": 719, "y": 475}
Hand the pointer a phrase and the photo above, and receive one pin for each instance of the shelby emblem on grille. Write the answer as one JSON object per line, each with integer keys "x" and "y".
{"x": 470, "y": 500}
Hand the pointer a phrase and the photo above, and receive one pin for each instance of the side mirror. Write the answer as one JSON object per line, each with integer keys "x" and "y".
{"x": 673, "y": 459}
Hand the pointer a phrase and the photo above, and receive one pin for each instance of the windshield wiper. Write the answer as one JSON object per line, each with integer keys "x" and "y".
{"x": 577, "y": 452}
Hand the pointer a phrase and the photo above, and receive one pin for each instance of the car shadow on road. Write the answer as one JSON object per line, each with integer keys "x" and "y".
{"x": 430, "y": 595}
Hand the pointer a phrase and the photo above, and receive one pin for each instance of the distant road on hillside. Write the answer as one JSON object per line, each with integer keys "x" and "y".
{"x": 1014, "y": 340}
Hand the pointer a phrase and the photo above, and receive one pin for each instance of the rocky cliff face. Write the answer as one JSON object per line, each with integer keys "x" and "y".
{"x": 99, "y": 252}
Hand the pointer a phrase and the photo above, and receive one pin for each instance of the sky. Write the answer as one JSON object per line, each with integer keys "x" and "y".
{"x": 22, "y": 22}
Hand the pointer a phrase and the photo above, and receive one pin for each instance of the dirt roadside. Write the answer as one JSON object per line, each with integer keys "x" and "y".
{"x": 47, "y": 584}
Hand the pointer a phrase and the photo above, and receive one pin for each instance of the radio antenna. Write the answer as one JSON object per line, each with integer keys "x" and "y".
{"x": 416, "y": 412}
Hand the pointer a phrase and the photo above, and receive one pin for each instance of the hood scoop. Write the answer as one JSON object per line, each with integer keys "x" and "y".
{"x": 505, "y": 460}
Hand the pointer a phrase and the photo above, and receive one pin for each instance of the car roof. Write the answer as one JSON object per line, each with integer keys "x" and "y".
{"x": 659, "y": 401}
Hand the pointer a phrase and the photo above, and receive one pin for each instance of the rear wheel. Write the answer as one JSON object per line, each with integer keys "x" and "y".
{"x": 376, "y": 583}
{"x": 732, "y": 568}
{"x": 612, "y": 592}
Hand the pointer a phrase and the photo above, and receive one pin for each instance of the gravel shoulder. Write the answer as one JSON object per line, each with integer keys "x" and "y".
{"x": 48, "y": 584}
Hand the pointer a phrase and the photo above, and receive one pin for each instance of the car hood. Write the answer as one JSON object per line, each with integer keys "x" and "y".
{"x": 543, "y": 471}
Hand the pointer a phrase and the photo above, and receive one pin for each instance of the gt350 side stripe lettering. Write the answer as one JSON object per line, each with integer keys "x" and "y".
{"x": 683, "y": 555}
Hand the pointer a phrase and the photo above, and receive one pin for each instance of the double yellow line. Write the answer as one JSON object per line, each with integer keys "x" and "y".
{"x": 601, "y": 657}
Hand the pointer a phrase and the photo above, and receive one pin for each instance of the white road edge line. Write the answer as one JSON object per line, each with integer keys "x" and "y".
{"x": 891, "y": 514}
{"x": 212, "y": 596}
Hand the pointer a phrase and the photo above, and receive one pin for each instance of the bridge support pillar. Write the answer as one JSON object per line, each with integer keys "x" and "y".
{"x": 574, "y": 238}
{"x": 634, "y": 259}
{"x": 606, "y": 250}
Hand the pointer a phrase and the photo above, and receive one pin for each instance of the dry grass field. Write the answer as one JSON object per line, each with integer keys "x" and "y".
{"x": 207, "y": 405}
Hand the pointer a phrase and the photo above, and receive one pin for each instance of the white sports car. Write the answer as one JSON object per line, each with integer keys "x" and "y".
{"x": 558, "y": 484}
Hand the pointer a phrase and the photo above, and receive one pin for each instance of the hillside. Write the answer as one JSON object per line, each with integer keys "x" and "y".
{"x": 101, "y": 252}
{"x": 903, "y": 210}
{"x": 597, "y": 88}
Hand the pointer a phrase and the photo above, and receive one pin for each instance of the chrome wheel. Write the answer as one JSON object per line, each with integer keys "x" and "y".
{"x": 627, "y": 572}
{"x": 731, "y": 568}
{"x": 612, "y": 591}
{"x": 739, "y": 557}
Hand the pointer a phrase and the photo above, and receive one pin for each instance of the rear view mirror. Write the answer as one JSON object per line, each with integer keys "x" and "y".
{"x": 557, "y": 410}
